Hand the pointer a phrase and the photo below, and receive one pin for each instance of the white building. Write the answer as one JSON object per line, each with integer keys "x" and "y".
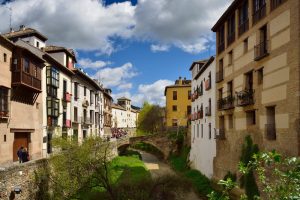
{"x": 203, "y": 144}
{"x": 123, "y": 115}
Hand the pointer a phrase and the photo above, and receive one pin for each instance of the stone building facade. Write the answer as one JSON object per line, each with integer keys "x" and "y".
{"x": 257, "y": 75}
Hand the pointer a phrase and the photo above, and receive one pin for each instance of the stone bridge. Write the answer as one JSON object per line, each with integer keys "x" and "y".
{"x": 160, "y": 141}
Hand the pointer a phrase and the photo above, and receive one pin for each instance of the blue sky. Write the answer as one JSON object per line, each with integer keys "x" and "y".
{"x": 134, "y": 47}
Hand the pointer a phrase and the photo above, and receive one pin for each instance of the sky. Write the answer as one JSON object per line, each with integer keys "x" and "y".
{"x": 135, "y": 47}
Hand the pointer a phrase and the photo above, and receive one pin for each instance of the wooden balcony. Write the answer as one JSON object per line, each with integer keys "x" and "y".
{"x": 221, "y": 134}
{"x": 276, "y": 3}
{"x": 245, "y": 97}
{"x": 221, "y": 47}
{"x": 259, "y": 14}
{"x": 230, "y": 38}
{"x": 243, "y": 27}
{"x": 25, "y": 79}
{"x": 270, "y": 131}
{"x": 219, "y": 76}
{"x": 261, "y": 50}
{"x": 226, "y": 103}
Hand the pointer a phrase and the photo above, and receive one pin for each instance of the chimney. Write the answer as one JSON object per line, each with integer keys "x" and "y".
{"x": 180, "y": 80}
{"x": 22, "y": 27}
{"x": 11, "y": 30}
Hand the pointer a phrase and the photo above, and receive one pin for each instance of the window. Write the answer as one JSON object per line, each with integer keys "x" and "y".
{"x": 174, "y": 108}
{"x": 250, "y": 116}
{"x": 221, "y": 43}
{"x": 64, "y": 88}
{"x": 230, "y": 59}
{"x": 92, "y": 116}
{"x": 231, "y": 30}
{"x": 4, "y": 101}
{"x": 259, "y": 10}
{"x": 76, "y": 91}
{"x": 230, "y": 121}
{"x": 64, "y": 118}
{"x": 52, "y": 107}
{"x": 189, "y": 110}
{"x": 270, "y": 126}
{"x": 37, "y": 44}
{"x": 276, "y": 3}
{"x": 174, "y": 95}
{"x": 84, "y": 91}
{"x": 189, "y": 94}
{"x": 209, "y": 131}
{"x": 75, "y": 114}
{"x": 245, "y": 45}
{"x": 52, "y": 79}
{"x": 174, "y": 123}
{"x": 4, "y": 139}
{"x": 249, "y": 81}
{"x": 197, "y": 130}
{"x": 260, "y": 76}
{"x": 229, "y": 89}
{"x": 26, "y": 65}
{"x": 201, "y": 130}
{"x": 243, "y": 18}
{"x": 4, "y": 57}
{"x": 91, "y": 96}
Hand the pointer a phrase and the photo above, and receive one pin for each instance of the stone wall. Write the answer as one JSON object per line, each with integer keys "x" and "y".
{"x": 19, "y": 176}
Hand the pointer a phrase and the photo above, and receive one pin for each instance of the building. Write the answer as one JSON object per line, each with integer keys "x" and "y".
{"x": 20, "y": 101}
{"x": 123, "y": 114}
{"x": 257, "y": 75}
{"x": 107, "y": 111}
{"x": 203, "y": 144}
{"x": 178, "y": 103}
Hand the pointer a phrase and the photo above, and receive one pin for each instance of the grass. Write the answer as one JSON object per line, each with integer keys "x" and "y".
{"x": 131, "y": 153}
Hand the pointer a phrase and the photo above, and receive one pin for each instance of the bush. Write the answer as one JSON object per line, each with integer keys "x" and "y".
{"x": 199, "y": 181}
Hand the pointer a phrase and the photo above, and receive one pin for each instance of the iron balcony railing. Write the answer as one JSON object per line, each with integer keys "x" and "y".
{"x": 243, "y": 27}
{"x": 219, "y": 76}
{"x": 221, "y": 134}
{"x": 276, "y": 3}
{"x": 259, "y": 14}
{"x": 245, "y": 97}
{"x": 270, "y": 131}
{"x": 226, "y": 103}
{"x": 261, "y": 50}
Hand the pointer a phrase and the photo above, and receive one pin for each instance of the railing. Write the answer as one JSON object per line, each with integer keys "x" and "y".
{"x": 27, "y": 79}
{"x": 219, "y": 76}
{"x": 259, "y": 14}
{"x": 245, "y": 97}
{"x": 261, "y": 50}
{"x": 270, "y": 131}
{"x": 221, "y": 47}
{"x": 243, "y": 27}
{"x": 208, "y": 111}
{"x": 226, "y": 103}
{"x": 230, "y": 38}
{"x": 207, "y": 84}
{"x": 276, "y": 3}
{"x": 221, "y": 134}
{"x": 85, "y": 120}
{"x": 67, "y": 97}
{"x": 200, "y": 114}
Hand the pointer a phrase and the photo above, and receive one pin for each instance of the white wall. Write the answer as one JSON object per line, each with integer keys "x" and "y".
{"x": 203, "y": 148}
{"x": 119, "y": 118}
{"x": 33, "y": 41}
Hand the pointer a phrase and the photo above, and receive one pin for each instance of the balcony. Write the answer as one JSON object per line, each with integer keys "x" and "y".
{"x": 207, "y": 84}
{"x": 86, "y": 121}
{"x": 200, "y": 114}
{"x": 245, "y": 97}
{"x": 261, "y": 50}
{"x": 23, "y": 78}
{"x": 276, "y": 3}
{"x": 270, "y": 131}
{"x": 221, "y": 47}
{"x": 226, "y": 103}
{"x": 243, "y": 27}
{"x": 67, "y": 123}
{"x": 230, "y": 38}
{"x": 259, "y": 14}
{"x": 219, "y": 76}
{"x": 4, "y": 114}
{"x": 208, "y": 111}
{"x": 221, "y": 134}
{"x": 67, "y": 97}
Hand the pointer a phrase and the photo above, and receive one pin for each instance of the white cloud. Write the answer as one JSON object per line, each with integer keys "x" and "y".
{"x": 81, "y": 24}
{"x": 125, "y": 86}
{"x": 183, "y": 23}
{"x": 157, "y": 48}
{"x": 111, "y": 77}
{"x": 87, "y": 63}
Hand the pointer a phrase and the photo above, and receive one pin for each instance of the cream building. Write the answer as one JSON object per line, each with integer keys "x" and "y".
{"x": 203, "y": 144}
{"x": 258, "y": 57}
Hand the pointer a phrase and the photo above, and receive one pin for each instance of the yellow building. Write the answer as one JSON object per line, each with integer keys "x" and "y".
{"x": 178, "y": 103}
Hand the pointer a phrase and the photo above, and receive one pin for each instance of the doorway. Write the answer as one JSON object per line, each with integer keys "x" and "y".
{"x": 20, "y": 139}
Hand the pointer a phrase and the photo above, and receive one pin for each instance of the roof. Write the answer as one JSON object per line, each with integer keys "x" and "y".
{"x": 6, "y": 42}
{"x": 124, "y": 98}
{"x": 230, "y": 10}
{"x": 204, "y": 67}
{"x": 176, "y": 86}
{"x": 197, "y": 62}
{"x": 53, "y": 49}
{"x": 25, "y": 32}
{"x": 87, "y": 78}
{"x": 117, "y": 106}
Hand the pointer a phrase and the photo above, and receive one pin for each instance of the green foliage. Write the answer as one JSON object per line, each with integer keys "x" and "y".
{"x": 180, "y": 162}
{"x": 248, "y": 180}
{"x": 150, "y": 119}
{"x": 131, "y": 153}
{"x": 230, "y": 175}
{"x": 227, "y": 186}
{"x": 148, "y": 148}
{"x": 199, "y": 181}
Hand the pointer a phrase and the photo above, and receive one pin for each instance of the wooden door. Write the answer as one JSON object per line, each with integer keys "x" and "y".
{"x": 20, "y": 139}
